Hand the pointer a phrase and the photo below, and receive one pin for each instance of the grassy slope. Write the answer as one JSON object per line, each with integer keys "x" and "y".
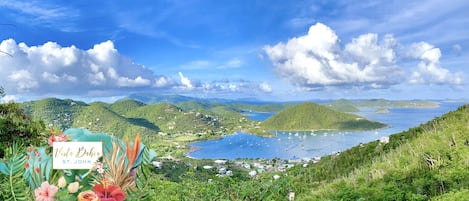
{"x": 430, "y": 161}
{"x": 309, "y": 116}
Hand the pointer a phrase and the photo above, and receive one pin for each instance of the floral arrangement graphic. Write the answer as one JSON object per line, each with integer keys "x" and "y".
{"x": 112, "y": 177}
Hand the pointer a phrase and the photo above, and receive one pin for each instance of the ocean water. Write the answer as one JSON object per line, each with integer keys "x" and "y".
{"x": 308, "y": 144}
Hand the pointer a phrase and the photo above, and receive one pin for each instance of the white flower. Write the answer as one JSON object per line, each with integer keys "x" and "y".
{"x": 73, "y": 187}
{"x": 62, "y": 182}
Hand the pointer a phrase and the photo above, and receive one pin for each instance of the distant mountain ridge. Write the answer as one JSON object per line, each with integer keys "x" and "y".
{"x": 383, "y": 103}
{"x": 340, "y": 105}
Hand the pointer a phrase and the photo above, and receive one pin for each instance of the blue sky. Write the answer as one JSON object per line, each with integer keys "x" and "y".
{"x": 265, "y": 49}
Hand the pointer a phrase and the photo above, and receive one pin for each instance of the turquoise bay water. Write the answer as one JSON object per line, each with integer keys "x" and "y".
{"x": 308, "y": 144}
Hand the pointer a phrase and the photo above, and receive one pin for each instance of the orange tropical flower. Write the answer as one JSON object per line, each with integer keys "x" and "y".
{"x": 88, "y": 196}
{"x": 132, "y": 151}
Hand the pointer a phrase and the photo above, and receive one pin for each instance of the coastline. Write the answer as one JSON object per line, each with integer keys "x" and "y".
{"x": 191, "y": 149}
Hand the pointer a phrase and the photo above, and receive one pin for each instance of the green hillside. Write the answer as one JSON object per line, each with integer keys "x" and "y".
{"x": 54, "y": 112}
{"x": 98, "y": 118}
{"x": 308, "y": 116}
{"x": 427, "y": 162}
{"x": 124, "y": 106}
{"x": 342, "y": 105}
{"x": 193, "y": 105}
{"x": 125, "y": 116}
{"x": 196, "y": 118}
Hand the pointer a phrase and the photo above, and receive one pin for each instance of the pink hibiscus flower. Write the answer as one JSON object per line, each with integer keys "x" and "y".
{"x": 46, "y": 192}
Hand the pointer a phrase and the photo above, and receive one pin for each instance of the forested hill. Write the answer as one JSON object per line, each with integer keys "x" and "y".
{"x": 429, "y": 162}
{"x": 308, "y": 116}
{"x": 131, "y": 116}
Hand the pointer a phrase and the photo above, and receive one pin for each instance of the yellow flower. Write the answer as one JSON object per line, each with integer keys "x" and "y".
{"x": 87, "y": 196}
{"x": 62, "y": 182}
{"x": 73, "y": 187}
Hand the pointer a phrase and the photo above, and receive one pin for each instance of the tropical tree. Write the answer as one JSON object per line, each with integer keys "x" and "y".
{"x": 17, "y": 126}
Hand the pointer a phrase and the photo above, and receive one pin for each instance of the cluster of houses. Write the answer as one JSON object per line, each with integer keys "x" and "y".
{"x": 252, "y": 167}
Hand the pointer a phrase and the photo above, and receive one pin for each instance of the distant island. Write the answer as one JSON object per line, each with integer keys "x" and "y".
{"x": 344, "y": 105}
{"x": 382, "y": 111}
{"x": 311, "y": 116}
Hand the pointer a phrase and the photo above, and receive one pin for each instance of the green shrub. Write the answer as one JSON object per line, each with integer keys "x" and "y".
{"x": 16, "y": 126}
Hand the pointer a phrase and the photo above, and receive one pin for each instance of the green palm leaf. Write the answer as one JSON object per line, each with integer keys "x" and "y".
{"x": 13, "y": 185}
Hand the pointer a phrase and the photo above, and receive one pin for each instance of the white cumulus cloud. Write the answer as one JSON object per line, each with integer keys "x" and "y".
{"x": 265, "y": 87}
{"x": 317, "y": 60}
{"x": 8, "y": 98}
{"x": 53, "y": 69}
{"x": 185, "y": 81}
{"x": 429, "y": 70}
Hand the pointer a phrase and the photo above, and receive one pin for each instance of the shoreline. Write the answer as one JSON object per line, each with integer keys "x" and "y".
{"x": 191, "y": 149}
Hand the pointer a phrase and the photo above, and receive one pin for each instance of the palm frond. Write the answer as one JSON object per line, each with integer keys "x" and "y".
{"x": 16, "y": 188}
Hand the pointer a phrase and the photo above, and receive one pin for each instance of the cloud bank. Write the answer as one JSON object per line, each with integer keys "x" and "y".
{"x": 51, "y": 69}
{"x": 317, "y": 60}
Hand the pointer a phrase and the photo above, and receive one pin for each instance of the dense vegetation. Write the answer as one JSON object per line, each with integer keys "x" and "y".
{"x": 130, "y": 116}
{"x": 429, "y": 162}
{"x": 54, "y": 112}
{"x": 17, "y": 126}
{"x": 168, "y": 127}
{"x": 308, "y": 116}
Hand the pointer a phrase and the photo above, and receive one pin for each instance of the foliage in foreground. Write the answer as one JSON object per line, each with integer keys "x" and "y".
{"x": 27, "y": 173}
{"x": 17, "y": 126}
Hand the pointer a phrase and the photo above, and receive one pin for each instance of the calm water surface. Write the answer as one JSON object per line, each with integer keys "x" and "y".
{"x": 301, "y": 144}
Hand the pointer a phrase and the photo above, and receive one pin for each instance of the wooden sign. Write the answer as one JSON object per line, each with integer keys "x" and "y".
{"x": 76, "y": 155}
